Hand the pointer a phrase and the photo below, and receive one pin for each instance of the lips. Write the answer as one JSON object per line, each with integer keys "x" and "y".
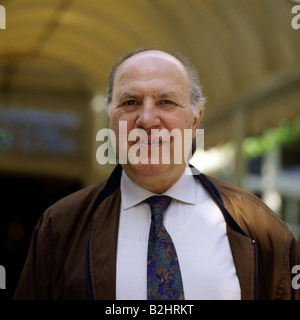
{"x": 149, "y": 142}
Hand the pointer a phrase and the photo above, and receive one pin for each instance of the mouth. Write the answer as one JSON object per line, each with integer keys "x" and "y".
{"x": 151, "y": 142}
{"x": 153, "y": 150}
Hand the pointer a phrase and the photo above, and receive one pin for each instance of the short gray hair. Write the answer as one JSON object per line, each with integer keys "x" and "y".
{"x": 197, "y": 98}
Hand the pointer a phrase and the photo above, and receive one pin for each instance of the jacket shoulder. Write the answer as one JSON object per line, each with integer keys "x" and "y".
{"x": 80, "y": 197}
{"x": 277, "y": 249}
{"x": 72, "y": 210}
{"x": 249, "y": 211}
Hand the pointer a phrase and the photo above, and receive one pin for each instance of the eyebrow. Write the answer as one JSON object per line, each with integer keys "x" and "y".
{"x": 128, "y": 95}
{"x": 166, "y": 94}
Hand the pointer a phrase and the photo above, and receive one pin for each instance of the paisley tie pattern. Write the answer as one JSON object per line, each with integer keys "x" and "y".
{"x": 163, "y": 273}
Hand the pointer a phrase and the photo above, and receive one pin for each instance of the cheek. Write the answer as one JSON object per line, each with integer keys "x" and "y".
{"x": 181, "y": 121}
{"x": 117, "y": 116}
{"x": 121, "y": 127}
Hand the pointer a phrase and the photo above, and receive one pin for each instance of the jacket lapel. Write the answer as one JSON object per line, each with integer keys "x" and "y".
{"x": 244, "y": 257}
{"x": 102, "y": 246}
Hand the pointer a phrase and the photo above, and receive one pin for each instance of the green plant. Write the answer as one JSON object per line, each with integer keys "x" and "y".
{"x": 286, "y": 132}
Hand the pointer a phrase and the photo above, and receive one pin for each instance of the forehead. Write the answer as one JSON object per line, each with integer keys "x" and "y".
{"x": 155, "y": 66}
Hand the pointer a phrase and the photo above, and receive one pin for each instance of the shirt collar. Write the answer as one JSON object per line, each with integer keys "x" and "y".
{"x": 183, "y": 190}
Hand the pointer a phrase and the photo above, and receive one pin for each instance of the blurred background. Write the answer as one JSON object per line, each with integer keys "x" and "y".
{"x": 54, "y": 62}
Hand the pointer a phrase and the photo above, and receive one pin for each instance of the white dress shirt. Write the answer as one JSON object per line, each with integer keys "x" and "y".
{"x": 198, "y": 230}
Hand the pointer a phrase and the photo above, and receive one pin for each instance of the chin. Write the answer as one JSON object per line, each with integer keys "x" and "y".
{"x": 148, "y": 169}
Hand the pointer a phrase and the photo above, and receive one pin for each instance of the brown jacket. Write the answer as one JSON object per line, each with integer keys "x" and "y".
{"x": 73, "y": 250}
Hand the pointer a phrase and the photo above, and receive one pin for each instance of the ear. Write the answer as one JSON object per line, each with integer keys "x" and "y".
{"x": 197, "y": 120}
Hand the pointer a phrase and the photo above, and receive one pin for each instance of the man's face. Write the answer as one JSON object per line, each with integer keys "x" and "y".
{"x": 151, "y": 91}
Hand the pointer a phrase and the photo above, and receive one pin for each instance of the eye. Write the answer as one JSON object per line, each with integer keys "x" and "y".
{"x": 130, "y": 103}
{"x": 167, "y": 102}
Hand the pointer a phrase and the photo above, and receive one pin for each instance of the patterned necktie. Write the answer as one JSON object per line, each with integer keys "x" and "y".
{"x": 163, "y": 272}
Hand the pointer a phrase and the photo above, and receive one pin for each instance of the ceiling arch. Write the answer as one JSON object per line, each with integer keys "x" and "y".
{"x": 237, "y": 46}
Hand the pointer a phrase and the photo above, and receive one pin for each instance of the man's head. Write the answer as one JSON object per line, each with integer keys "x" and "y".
{"x": 196, "y": 92}
{"x": 152, "y": 90}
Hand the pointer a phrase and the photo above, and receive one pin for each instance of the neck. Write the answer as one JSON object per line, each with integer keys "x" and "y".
{"x": 155, "y": 182}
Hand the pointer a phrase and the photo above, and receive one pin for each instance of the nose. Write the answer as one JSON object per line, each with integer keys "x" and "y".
{"x": 148, "y": 116}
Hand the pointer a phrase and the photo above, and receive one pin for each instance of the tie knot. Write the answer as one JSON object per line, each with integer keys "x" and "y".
{"x": 158, "y": 204}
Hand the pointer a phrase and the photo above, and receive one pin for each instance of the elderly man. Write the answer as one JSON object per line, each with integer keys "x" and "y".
{"x": 153, "y": 230}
